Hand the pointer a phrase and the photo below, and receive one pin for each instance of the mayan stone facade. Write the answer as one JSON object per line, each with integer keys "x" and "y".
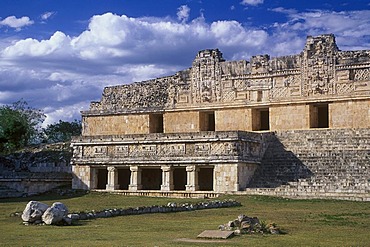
{"x": 206, "y": 128}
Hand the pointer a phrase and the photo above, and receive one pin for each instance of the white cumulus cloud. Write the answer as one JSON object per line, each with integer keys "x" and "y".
{"x": 16, "y": 23}
{"x": 34, "y": 48}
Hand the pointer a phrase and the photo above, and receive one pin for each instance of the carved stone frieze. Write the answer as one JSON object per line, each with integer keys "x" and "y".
{"x": 143, "y": 150}
{"x": 318, "y": 66}
{"x": 361, "y": 74}
{"x": 172, "y": 149}
{"x": 345, "y": 88}
{"x": 121, "y": 150}
{"x": 245, "y": 149}
{"x": 316, "y": 72}
{"x": 286, "y": 87}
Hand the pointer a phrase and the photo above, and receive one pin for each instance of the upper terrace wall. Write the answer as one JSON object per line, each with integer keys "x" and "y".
{"x": 116, "y": 124}
{"x": 320, "y": 73}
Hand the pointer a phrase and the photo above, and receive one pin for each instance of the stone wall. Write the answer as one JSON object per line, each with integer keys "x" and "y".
{"x": 287, "y": 117}
{"x": 81, "y": 177}
{"x": 179, "y": 122}
{"x": 355, "y": 113}
{"x": 233, "y": 119}
{"x": 233, "y": 177}
{"x": 116, "y": 124}
{"x": 29, "y": 185}
{"x": 341, "y": 114}
{"x": 36, "y": 169}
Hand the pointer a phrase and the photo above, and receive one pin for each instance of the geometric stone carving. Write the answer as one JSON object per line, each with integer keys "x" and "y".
{"x": 315, "y": 72}
{"x": 121, "y": 150}
{"x": 362, "y": 74}
{"x": 345, "y": 88}
{"x": 318, "y": 66}
{"x": 202, "y": 148}
{"x": 163, "y": 149}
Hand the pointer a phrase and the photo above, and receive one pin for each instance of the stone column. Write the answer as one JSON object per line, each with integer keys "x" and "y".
{"x": 192, "y": 178}
{"x": 167, "y": 178}
{"x": 135, "y": 178}
{"x": 112, "y": 178}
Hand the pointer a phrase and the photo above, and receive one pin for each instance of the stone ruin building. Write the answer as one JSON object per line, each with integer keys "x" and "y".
{"x": 294, "y": 126}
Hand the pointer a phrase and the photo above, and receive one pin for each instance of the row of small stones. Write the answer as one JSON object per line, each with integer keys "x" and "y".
{"x": 170, "y": 207}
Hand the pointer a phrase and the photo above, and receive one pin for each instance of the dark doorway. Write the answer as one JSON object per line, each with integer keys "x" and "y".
{"x": 265, "y": 119}
{"x": 179, "y": 178}
{"x": 261, "y": 119}
{"x": 102, "y": 176}
{"x": 319, "y": 116}
{"x": 124, "y": 178}
{"x": 156, "y": 123}
{"x": 205, "y": 179}
{"x": 323, "y": 116}
{"x": 207, "y": 121}
{"x": 151, "y": 178}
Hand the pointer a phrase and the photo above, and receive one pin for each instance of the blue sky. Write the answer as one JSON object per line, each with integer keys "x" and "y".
{"x": 59, "y": 55}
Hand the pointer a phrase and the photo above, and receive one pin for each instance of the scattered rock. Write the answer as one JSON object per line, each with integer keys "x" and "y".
{"x": 55, "y": 214}
{"x": 34, "y": 211}
{"x": 248, "y": 225}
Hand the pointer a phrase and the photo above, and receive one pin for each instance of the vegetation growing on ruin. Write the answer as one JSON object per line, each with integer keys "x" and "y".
{"x": 305, "y": 222}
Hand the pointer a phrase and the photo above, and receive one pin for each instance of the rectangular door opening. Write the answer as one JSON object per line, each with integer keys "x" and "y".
{"x": 124, "y": 178}
{"x": 156, "y": 123}
{"x": 319, "y": 116}
{"x": 261, "y": 119}
{"x": 207, "y": 121}
{"x": 179, "y": 178}
{"x": 102, "y": 176}
{"x": 205, "y": 179}
{"x": 151, "y": 178}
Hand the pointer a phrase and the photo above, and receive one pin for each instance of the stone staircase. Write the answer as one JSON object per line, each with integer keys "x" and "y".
{"x": 318, "y": 161}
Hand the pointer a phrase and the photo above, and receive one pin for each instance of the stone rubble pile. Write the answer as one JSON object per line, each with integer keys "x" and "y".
{"x": 38, "y": 213}
{"x": 249, "y": 225}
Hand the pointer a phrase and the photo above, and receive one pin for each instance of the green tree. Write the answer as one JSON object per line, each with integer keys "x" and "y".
{"x": 19, "y": 125}
{"x": 61, "y": 131}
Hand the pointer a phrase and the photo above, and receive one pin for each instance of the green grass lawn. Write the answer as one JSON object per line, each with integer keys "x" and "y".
{"x": 306, "y": 223}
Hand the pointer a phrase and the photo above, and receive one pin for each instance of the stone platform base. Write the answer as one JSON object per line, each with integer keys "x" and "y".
{"x": 170, "y": 194}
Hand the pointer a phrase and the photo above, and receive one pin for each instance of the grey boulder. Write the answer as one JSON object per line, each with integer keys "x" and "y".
{"x": 34, "y": 211}
{"x": 55, "y": 214}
